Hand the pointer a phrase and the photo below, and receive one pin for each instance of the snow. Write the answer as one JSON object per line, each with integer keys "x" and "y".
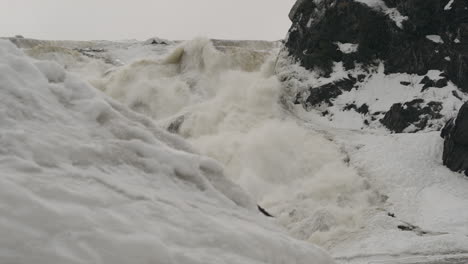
{"x": 309, "y": 23}
{"x": 393, "y": 13}
{"x": 449, "y": 5}
{"x": 405, "y": 169}
{"x": 379, "y": 91}
{"x": 420, "y": 190}
{"x": 347, "y": 48}
{"x": 86, "y": 180}
{"x": 435, "y": 38}
{"x": 396, "y": 16}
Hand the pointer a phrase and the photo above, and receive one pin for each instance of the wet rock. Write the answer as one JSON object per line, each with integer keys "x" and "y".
{"x": 361, "y": 77}
{"x": 426, "y": 80}
{"x": 441, "y": 83}
{"x": 263, "y": 211}
{"x": 428, "y": 83}
{"x": 363, "y": 109}
{"x": 318, "y": 26}
{"x": 455, "y": 93}
{"x": 323, "y": 94}
{"x": 455, "y": 133}
{"x": 326, "y": 93}
{"x": 415, "y": 113}
{"x": 175, "y": 125}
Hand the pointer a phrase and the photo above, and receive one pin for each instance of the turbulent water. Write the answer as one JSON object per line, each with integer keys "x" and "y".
{"x": 362, "y": 194}
{"x": 225, "y": 101}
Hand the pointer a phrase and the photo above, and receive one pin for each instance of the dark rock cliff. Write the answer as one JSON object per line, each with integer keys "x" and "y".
{"x": 404, "y": 47}
{"x": 406, "y": 36}
{"x": 455, "y": 133}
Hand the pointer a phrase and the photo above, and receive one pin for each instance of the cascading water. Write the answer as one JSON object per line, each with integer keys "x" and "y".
{"x": 225, "y": 100}
{"x": 227, "y": 105}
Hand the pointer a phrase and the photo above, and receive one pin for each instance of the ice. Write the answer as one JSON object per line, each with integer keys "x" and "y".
{"x": 449, "y": 5}
{"x": 347, "y": 47}
{"x": 86, "y": 180}
{"x": 435, "y": 38}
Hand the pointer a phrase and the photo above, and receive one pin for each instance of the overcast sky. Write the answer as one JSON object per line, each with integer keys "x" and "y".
{"x": 142, "y": 19}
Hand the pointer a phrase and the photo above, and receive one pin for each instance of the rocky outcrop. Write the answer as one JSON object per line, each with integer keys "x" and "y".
{"x": 455, "y": 133}
{"x": 157, "y": 41}
{"x": 411, "y": 116}
{"x": 411, "y": 36}
{"x": 326, "y": 93}
{"x": 424, "y": 42}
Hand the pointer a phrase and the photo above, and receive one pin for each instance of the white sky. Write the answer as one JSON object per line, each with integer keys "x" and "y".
{"x": 142, "y": 19}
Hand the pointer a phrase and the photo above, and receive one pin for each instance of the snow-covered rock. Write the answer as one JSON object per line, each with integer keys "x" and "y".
{"x": 83, "y": 179}
{"x": 392, "y": 64}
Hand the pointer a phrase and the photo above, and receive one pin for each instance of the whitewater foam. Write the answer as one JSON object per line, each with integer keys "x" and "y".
{"x": 232, "y": 113}
{"x": 83, "y": 179}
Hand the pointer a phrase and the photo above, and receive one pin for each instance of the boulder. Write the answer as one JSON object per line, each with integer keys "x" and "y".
{"x": 326, "y": 93}
{"x": 429, "y": 83}
{"x": 415, "y": 113}
{"x": 455, "y": 133}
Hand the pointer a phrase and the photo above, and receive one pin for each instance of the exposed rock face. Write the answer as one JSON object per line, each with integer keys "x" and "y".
{"x": 424, "y": 40}
{"x": 455, "y": 133}
{"x": 327, "y": 92}
{"x": 423, "y": 35}
{"x": 412, "y": 115}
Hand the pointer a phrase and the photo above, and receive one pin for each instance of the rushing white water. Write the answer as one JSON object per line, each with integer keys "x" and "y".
{"x": 225, "y": 100}
{"x": 227, "y": 105}
{"x": 223, "y": 97}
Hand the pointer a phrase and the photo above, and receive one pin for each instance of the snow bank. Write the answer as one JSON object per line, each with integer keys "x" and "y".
{"x": 421, "y": 193}
{"x": 85, "y": 180}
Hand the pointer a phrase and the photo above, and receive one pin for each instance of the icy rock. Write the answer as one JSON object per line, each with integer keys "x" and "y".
{"x": 326, "y": 93}
{"x": 401, "y": 116}
{"x": 455, "y": 133}
{"x": 428, "y": 83}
